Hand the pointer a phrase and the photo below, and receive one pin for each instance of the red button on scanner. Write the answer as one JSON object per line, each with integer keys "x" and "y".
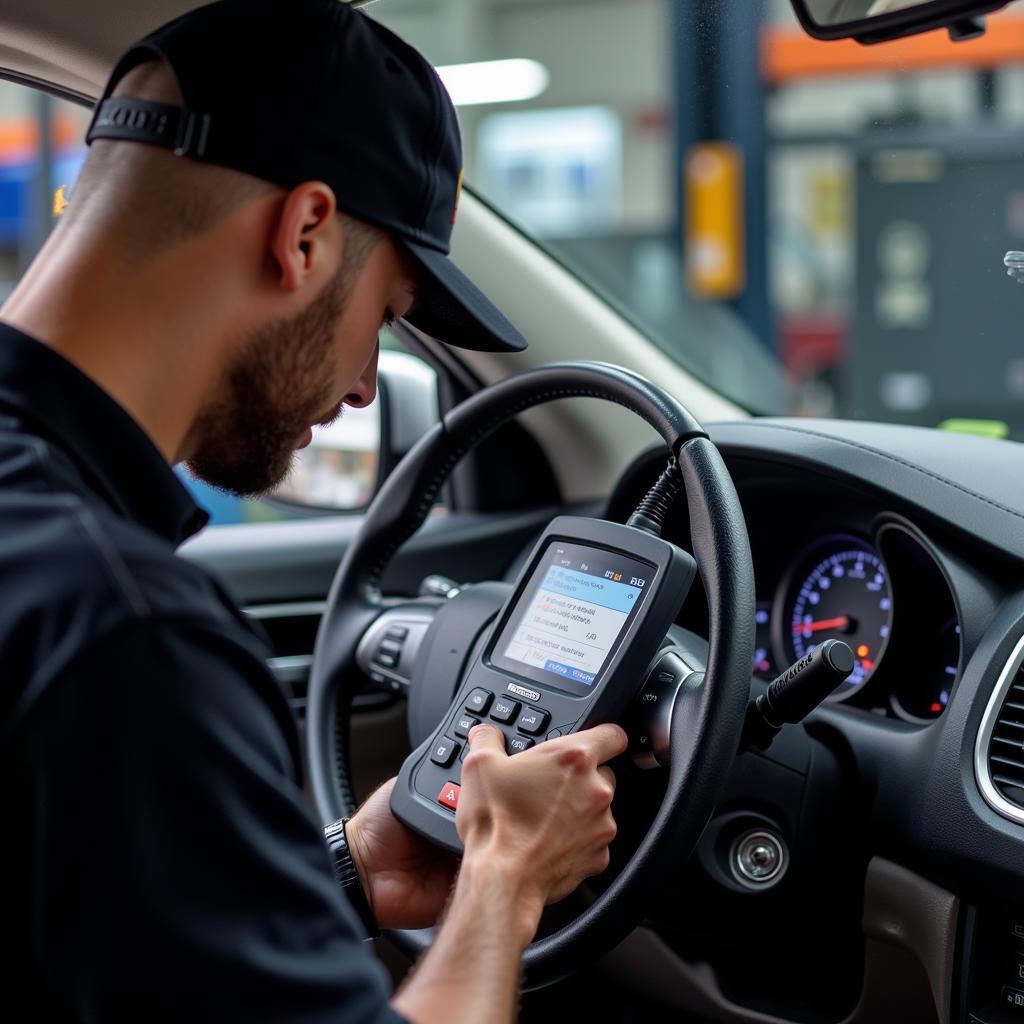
{"x": 449, "y": 796}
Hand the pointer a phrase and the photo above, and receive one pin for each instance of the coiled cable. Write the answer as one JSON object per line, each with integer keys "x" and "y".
{"x": 652, "y": 511}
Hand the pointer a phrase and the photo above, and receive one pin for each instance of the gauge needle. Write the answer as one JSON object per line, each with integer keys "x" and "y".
{"x": 839, "y": 622}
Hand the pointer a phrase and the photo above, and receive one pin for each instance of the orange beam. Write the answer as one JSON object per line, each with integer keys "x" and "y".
{"x": 789, "y": 54}
{"x": 21, "y": 134}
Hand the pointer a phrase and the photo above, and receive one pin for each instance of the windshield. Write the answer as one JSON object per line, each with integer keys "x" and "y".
{"x": 812, "y": 228}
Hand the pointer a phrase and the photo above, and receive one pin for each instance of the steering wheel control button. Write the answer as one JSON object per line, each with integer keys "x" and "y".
{"x": 449, "y": 796}
{"x": 388, "y": 653}
{"x": 758, "y": 859}
{"x": 533, "y": 721}
{"x": 649, "y": 720}
{"x": 463, "y": 724}
{"x": 1012, "y": 997}
{"x": 445, "y": 751}
{"x": 505, "y": 710}
{"x": 398, "y": 633}
{"x": 518, "y": 744}
{"x": 641, "y": 749}
{"x": 479, "y": 700}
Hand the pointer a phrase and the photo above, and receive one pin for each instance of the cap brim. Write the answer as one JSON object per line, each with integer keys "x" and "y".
{"x": 452, "y": 309}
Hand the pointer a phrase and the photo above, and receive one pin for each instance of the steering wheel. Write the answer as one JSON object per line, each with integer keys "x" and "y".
{"x": 440, "y": 636}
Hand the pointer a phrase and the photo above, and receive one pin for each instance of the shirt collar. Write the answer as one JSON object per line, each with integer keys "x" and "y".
{"x": 118, "y": 460}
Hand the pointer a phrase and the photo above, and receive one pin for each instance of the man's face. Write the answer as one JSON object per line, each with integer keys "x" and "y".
{"x": 299, "y": 372}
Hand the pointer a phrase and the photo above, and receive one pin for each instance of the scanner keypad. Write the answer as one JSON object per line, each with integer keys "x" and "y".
{"x": 522, "y": 725}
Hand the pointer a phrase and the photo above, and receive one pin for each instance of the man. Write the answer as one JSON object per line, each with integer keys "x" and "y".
{"x": 267, "y": 183}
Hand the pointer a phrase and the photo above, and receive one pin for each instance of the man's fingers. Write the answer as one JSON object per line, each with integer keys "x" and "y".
{"x": 605, "y": 741}
{"x": 608, "y": 775}
{"x": 486, "y": 737}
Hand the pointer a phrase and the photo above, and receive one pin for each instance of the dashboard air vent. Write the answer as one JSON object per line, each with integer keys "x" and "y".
{"x": 1006, "y": 748}
{"x": 291, "y": 629}
{"x": 999, "y": 755}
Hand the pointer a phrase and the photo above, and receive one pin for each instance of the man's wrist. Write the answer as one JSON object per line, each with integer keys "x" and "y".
{"x": 502, "y": 886}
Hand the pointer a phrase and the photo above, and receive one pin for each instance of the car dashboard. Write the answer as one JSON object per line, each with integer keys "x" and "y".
{"x": 909, "y": 545}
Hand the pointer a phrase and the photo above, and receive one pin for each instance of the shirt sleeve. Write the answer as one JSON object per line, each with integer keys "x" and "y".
{"x": 176, "y": 872}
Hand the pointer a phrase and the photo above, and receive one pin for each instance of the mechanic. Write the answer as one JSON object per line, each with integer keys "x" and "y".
{"x": 267, "y": 183}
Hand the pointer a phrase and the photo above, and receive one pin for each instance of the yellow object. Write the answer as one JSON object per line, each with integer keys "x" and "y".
{"x": 830, "y": 192}
{"x": 60, "y": 200}
{"x": 714, "y": 220}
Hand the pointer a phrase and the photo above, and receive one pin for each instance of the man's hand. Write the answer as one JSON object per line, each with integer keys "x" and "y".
{"x": 407, "y": 879}
{"x": 543, "y": 815}
{"x": 533, "y": 827}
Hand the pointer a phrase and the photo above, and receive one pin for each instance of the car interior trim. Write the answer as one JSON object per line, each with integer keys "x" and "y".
{"x": 909, "y": 922}
{"x": 287, "y": 610}
{"x": 291, "y": 668}
{"x": 982, "y": 772}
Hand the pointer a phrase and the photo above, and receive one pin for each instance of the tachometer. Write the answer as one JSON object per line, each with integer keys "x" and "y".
{"x": 922, "y": 698}
{"x": 845, "y": 595}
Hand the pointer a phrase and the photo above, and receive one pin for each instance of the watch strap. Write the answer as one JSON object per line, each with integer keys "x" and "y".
{"x": 347, "y": 874}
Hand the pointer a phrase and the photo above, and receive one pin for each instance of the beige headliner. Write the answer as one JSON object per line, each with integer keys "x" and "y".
{"x": 74, "y": 43}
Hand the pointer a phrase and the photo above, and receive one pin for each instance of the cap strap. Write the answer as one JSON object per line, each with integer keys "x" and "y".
{"x": 158, "y": 124}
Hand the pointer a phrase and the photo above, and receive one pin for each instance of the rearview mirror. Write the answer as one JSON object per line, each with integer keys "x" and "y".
{"x": 873, "y": 21}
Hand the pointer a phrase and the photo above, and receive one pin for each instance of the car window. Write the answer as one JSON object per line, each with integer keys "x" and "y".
{"x": 41, "y": 149}
{"x": 340, "y": 471}
{"x": 813, "y": 228}
{"x": 41, "y": 152}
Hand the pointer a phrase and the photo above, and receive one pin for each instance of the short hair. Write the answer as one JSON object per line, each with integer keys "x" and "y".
{"x": 151, "y": 199}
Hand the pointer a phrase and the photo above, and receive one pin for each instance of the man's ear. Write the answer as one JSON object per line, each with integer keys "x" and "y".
{"x": 300, "y": 235}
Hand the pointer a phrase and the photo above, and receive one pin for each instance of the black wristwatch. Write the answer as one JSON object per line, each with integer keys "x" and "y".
{"x": 348, "y": 875}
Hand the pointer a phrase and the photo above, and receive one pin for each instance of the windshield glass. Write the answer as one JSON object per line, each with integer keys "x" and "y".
{"x": 812, "y": 228}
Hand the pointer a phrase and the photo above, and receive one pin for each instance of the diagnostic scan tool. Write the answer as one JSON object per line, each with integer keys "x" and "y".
{"x": 570, "y": 649}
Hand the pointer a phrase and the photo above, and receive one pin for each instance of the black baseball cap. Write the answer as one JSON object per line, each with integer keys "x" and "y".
{"x": 313, "y": 90}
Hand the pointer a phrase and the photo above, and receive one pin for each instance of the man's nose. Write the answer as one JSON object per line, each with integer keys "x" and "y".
{"x": 364, "y": 390}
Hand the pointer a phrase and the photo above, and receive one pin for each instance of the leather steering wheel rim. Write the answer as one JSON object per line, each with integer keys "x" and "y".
{"x": 710, "y": 707}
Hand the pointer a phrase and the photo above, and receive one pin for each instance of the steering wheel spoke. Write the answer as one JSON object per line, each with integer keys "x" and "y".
{"x": 391, "y": 645}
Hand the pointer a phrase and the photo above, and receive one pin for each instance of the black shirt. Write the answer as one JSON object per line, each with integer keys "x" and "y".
{"x": 157, "y": 861}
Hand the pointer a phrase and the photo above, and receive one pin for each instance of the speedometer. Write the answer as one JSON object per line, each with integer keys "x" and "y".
{"x": 842, "y": 594}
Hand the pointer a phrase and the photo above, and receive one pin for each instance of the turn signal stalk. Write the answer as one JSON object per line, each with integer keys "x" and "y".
{"x": 794, "y": 694}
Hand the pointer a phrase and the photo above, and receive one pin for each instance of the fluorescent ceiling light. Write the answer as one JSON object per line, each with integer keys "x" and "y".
{"x": 494, "y": 81}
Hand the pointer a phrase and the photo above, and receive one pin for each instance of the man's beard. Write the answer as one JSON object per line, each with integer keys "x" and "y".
{"x": 279, "y": 384}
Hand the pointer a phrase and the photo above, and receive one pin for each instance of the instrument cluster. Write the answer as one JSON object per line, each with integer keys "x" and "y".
{"x": 841, "y": 586}
{"x": 831, "y": 560}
